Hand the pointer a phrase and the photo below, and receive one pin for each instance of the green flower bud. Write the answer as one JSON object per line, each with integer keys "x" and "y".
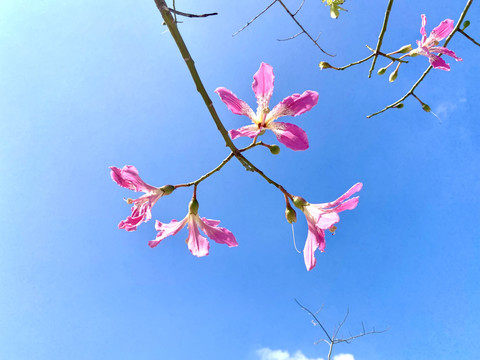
{"x": 405, "y": 49}
{"x": 274, "y": 149}
{"x": 381, "y": 71}
{"x": 193, "y": 206}
{"x": 399, "y": 106}
{"x": 167, "y": 189}
{"x": 299, "y": 202}
{"x": 290, "y": 214}
{"x": 466, "y": 24}
{"x": 425, "y": 107}
{"x": 324, "y": 65}
{"x": 393, "y": 76}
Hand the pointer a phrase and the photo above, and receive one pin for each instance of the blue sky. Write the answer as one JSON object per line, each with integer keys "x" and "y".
{"x": 87, "y": 85}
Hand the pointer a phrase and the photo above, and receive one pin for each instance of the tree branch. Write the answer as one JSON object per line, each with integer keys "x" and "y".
{"x": 380, "y": 37}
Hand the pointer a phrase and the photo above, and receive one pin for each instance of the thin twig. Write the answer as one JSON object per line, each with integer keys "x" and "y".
{"x": 410, "y": 92}
{"x": 380, "y": 37}
{"x": 291, "y": 37}
{"x": 316, "y": 319}
{"x": 256, "y": 17}
{"x": 301, "y": 27}
{"x": 301, "y": 5}
{"x": 190, "y": 15}
{"x": 468, "y": 37}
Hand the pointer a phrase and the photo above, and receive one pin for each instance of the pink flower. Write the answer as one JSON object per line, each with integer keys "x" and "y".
{"x": 428, "y": 46}
{"x": 128, "y": 177}
{"x": 321, "y": 217}
{"x": 197, "y": 244}
{"x": 288, "y": 134}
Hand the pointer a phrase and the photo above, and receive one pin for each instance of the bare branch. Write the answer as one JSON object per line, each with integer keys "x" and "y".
{"x": 176, "y": 12}
{"x": 256, "y": 17}
{"x": 410, "y": 92}
{"x": 332, "y": 340}
{"x": 380, "y": 37}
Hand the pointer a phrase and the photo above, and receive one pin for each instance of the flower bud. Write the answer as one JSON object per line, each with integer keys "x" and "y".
{"x": 466, "y": 24}
{"x": 399, "y": 106}
{"x": 290, "y": 214}
{"x": 425, "y": 107}
{"x": 393, "y": 75}
{"x": 167, "y": 189}
{"x": 405, "y": 49}
{"x": 299, "y": 202}
{"x": 324, "y": 65}
{"x": 193, "y": 206}
{"x": 274, "y": 149}
{"x": 382, "y": 71}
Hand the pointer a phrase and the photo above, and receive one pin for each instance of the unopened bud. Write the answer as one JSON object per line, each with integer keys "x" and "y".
{"x": 167, "y": 189}
{"x": 193, "y": 206}
{"x": 290, "y": 214}
{"x": 274, "y": 149}
{"x": 466, "y": 24}
{"x": 393, "y": 75}
{"x": 324, "y": 65}
{"x": 299, "y": 202}
{"x": 399, "y": 106}
{"x": 405, "y": 49}
{"x": 425, "y": 107}
{"x": 382, "y": 71}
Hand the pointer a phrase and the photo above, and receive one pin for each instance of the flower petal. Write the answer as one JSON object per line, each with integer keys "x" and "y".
{"x": 445, "y": 51}
{"x": 234, "y": 104}
{"x": 197, "y": 244}
{"x": 442, "y": 30}
{"x": 262, "y": 85}
{"x": 354, "y": 189}
{"x": 218, "y": 234}
{"x": 438, "y": 63}
{"x": 165, "y": 230}
{"x": 250, "y": 131}
{"x": 422, "y": 29}
{"x": 294, "y": 105}
{"x": 315, "y": 240}
{"x": 128, "y": 177}
{"x": 290, "y": 135}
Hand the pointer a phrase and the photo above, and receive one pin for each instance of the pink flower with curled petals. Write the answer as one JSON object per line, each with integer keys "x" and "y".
{"x": 197, "y": 244}
{"x": 288, "y": 134}
{"x": 321, "y": 217}
{"x": 428, "y": 45}
{"x": 128, "y": 177}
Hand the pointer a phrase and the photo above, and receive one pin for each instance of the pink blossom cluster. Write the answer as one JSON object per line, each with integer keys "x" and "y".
{"x": 320, "y": 217}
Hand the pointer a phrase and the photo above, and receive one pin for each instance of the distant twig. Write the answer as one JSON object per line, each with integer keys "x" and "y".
{"x": 302, "y": 28}
{"x": 468, "y": 37}
{"x": 410, "y": 92}
{"x": 332, "y": 339}
{"x": 256, "y": 17}
{"x": 292, "y": 15}
{"x": 176, "y": 12}
{"x": 380, "y": 37}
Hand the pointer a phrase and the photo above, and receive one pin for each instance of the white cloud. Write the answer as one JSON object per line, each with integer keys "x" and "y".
{"x": 268, "y": 354}
{"x": 343, "y": 357}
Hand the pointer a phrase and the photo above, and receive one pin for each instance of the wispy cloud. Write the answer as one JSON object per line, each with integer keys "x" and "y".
{"x": 444, "y": 109}
{"x": 269, "y": 354}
